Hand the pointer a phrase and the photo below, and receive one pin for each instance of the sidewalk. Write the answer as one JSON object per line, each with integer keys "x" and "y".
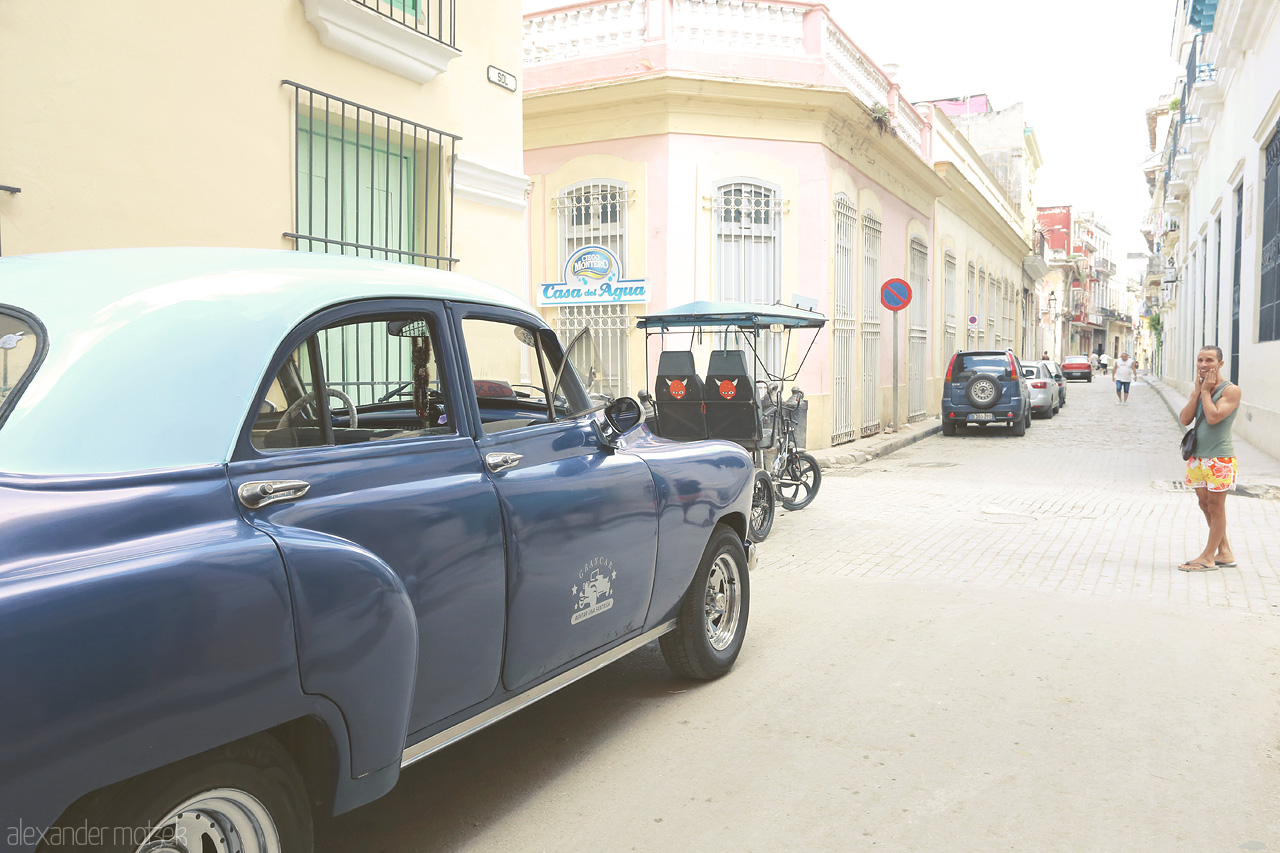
{"x": 880, "y": 444}
{"x": 1259, "y": 470}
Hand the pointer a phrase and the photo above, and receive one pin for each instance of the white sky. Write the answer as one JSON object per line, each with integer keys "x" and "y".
{"x": 1086, "y": 72}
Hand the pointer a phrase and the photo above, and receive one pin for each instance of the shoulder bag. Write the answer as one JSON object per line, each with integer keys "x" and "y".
{"x": 1189, "y": 439}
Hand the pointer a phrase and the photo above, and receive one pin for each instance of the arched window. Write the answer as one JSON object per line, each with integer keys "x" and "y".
{"x": 594, "y": 213}
{"x": 747, "y": 216}
{"x": 949, "y": 304}
{"x": 844, "y": 320}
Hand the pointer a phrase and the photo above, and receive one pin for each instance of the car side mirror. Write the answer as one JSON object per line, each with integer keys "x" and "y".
{"x": 618, "y": 419}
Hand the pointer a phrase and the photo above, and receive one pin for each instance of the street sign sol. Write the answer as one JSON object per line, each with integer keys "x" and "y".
{"x": 895, "y": 294}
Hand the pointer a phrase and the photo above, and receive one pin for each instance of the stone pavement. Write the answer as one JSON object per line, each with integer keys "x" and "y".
{"x": 1090, "y": 502}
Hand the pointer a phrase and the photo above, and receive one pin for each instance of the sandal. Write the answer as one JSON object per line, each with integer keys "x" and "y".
{"x": 1196, "y": 566}
{"x": 1229, "y": 564}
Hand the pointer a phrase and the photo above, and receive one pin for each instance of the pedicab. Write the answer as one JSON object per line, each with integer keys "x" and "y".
{"x": 738, "y": 396}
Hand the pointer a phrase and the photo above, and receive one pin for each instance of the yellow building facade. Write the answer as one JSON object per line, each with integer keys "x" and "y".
{"x": 380, "y": 129}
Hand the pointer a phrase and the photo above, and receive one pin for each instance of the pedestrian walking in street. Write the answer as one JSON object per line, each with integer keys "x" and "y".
{"x": 1093, "y": 361}
{"x": 1211, "y": 471}
{"x": 1124, "y": 371}
{"x": 1044, "y": 356}
{"x": 1104, "y": 361}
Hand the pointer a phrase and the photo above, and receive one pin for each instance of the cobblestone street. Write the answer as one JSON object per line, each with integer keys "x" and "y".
{"x": 1090, "y": 502}
{"x": 975, "y": 643}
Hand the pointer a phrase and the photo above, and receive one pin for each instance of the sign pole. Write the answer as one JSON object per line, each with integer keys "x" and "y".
{"x": 895, "y": 294}
{"x": 894, "y": 320}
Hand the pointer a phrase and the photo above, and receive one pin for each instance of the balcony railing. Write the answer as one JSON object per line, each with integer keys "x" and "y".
{"x": 597, "y": 27}
{"x": 434, "y": 19}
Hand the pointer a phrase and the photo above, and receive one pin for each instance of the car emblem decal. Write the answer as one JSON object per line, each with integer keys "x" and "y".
{"x": 728, "y": 388}
{"x": 677, "y": 388}
{"x": 594, "y": 591}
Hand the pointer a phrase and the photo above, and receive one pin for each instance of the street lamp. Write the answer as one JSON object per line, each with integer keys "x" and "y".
{"x": 1053, "y": 302}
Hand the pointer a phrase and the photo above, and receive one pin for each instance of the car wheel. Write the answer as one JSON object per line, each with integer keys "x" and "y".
{"x": 1020, "y": 428}
{"x": 712, "y": 619}
{"x": 1090, "y": 379}
{"x": 762, "y": 506}
{"x": 1053, "y": 410}
{"x": 982, "y": 391}
{"x": 244, "y": 797}
{"x": 807, "y": 475}
{"x": 948, "y": 428}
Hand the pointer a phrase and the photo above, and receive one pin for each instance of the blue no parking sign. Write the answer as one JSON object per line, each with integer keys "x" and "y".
{"x": 895, "y": 294}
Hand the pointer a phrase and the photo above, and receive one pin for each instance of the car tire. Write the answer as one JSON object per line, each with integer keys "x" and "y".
{"x": 1090, "y": 379}
{"x": 948, "y": 428}
{"x": 712, "y": 620}
{"x": 1020, "y": 428}
{"x": 805, "y": 470}
{"x": 983, "y": 391}
{"x": 246, "y": 789}
{"x": 1053, "y": 410}
{"x": 763, "y": 504}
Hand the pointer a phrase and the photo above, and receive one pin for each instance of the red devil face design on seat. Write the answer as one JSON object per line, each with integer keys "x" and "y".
{"x": 728, "y": 388}
{"x": 677, "y": 388}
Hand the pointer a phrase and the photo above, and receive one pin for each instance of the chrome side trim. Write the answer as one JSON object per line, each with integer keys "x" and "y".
{"x": 487, "y": 718}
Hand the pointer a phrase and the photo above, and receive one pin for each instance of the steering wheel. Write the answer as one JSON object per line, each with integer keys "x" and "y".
{"x": 310, "y": 397}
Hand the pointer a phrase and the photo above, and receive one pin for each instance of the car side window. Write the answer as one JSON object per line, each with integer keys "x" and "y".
{"x": 514, "y": 371}
{"x": 371, "y": 379}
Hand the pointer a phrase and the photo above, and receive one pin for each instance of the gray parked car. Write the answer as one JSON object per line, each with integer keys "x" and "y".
{"x": 1056, "y": 370}
{"x": 1043, "y": 389}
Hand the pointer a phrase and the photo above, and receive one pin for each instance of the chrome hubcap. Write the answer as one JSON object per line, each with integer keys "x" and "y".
{"x": 224, "y": 820}
{"x": 723, "y": 604}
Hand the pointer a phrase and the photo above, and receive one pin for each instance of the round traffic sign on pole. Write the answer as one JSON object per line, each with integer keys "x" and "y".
{"x": 895, "y": 294}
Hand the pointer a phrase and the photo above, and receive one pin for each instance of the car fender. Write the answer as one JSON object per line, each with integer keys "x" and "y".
{"x": 357, "y": 638}
{"x": 698, "y": 484}
{"x": 130, "y": 641}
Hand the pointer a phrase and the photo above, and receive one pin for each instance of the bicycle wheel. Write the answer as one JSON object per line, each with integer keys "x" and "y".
{"x": 762, "y": 506}
{"x": 802, "y": 476}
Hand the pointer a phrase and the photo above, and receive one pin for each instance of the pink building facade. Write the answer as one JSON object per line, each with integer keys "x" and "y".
{"x": 738, "y": 151}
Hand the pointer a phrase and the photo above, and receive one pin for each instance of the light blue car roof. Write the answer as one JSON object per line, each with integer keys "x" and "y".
{"x": 155, "y": 355}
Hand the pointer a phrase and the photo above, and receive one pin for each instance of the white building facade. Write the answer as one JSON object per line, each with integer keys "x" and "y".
{"x": 1222, "y": 197}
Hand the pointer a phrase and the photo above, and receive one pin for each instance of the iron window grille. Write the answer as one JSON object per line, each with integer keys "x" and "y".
{"x": 949, "y": 302}
{"x": 844, "y": 321}
{"x": 869, "y": 423}
{"x": 1269, "y": 270}
{"x": 371, "y": 184}
{"x": 593, "y": 213}
{"x": 434, "y": 19}
{"x": 748, "y": 265}
{"x": 610, "y": 327}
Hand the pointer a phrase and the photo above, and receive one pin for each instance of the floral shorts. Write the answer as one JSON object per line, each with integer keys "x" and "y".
{"x": 1217, "y": 473}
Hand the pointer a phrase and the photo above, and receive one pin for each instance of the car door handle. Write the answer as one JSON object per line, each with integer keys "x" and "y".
{"x": 262, "y": 493}
{"x": 502, "y": 461}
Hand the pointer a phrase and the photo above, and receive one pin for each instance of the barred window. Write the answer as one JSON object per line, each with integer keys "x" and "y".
{"x": 919, "y": 273}
{"x": 610, "y": 327}
{"x": 1269, "y": 271}
{"x": 593, "y": 213}
{"x": 371, "y": 184}
{"x": 971, "y": 303}
{"x": 748, "y": 258}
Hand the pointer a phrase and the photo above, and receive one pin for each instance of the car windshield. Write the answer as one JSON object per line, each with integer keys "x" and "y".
{"x": 20, "y": 345}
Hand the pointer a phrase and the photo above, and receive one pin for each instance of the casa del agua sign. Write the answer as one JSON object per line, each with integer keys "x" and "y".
{"x": 592, "y": 276}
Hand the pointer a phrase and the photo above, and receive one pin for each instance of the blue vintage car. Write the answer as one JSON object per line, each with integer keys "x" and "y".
{"x": 274, "y": 525}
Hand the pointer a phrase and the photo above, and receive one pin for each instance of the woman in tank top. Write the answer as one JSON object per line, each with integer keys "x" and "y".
{"x": 1212, "y": 471}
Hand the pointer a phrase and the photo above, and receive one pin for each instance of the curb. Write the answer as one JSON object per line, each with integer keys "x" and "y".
{"x": 1167, "y": 394}
{"x": 845, "y": 455}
